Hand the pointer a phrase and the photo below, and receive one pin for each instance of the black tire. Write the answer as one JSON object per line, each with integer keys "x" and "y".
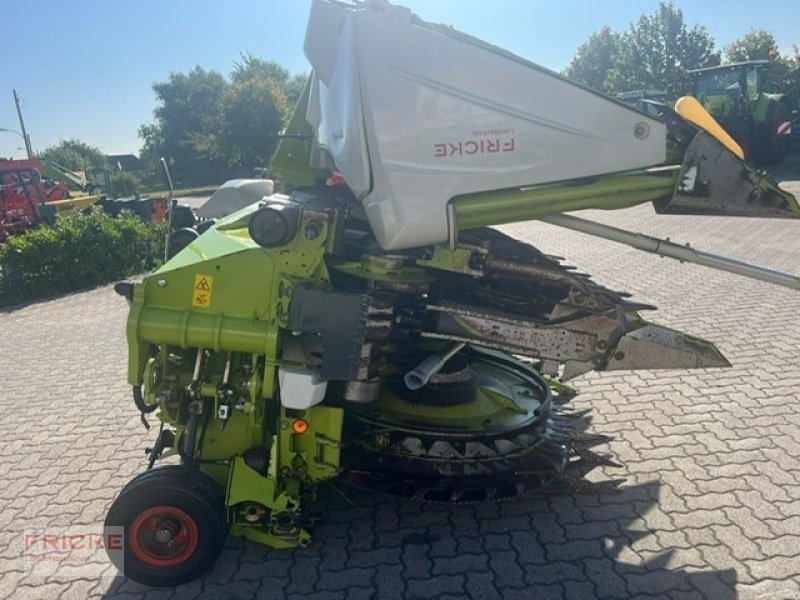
{"x": 776, "y": 147}
{"x": 204, "y": 226}
{"x": 182, "y": 217}
{"x": 742, "y": 135}
{"x": 184, "y": 504}
{"x": 178, "y": 240}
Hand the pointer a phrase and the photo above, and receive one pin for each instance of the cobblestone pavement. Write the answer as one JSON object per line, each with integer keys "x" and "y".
{"x": 710, "y": 509}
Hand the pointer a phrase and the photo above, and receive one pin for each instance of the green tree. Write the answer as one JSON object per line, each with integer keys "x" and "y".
{"x": 204, "y": 121}
{"x": 758, "y": 44}
{"x": 74, "y": 155}
{"x": 658, "y": 49}
{"x": 792, "y": 77}
{"x": 595, "y": 58}
{"x": 188, "y": 112}
{"x": 654, "y": 53}
{"x": 251, "y": 67}
{"x": 253, "y": 114}
{"x": 125, "y": 183}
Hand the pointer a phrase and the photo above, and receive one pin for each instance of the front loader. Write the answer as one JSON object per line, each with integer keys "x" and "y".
{"x": 368, "y": 326}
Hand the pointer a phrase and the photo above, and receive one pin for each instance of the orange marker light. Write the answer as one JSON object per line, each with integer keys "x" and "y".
{"x": 300, "y": 426}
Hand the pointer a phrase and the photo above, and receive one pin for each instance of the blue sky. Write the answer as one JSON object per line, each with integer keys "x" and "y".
{"x": 84, "y": 68}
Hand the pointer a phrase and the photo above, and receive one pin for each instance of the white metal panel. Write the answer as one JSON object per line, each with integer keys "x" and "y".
{"x": 443, "y": 116}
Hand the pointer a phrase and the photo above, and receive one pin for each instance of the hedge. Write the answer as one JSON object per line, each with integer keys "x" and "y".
{"x": 77, "y": 253}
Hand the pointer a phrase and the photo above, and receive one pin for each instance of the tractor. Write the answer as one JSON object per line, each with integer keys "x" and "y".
{"x": 29, "y": 199}
{"x": 22, "y": 198}
{"x": 735, "y": 95}
{"x": 366, "y": 325}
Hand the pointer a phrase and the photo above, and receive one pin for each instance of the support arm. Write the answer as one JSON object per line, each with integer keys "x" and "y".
{"x": 672, "y": 250}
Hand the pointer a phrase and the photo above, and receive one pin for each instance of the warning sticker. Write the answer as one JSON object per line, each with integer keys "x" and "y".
{"x": 201, "y": 294}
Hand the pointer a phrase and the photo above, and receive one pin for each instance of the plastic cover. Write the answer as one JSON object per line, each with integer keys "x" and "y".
{"x": 234, "y": 195}
{"x": 414, "y": 114}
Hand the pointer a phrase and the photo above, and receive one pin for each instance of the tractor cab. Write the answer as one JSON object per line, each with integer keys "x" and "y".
{"x": 728, "y": 89}
{"x": 736, "y": 97}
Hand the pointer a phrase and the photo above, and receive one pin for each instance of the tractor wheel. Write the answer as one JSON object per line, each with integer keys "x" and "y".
{"x": 175, "y": 525}
{"x": 178, "y": 240}
{"x": 182, "y": 217}
{"x": 204, "y": 226}
{"x": 776, "y": 145}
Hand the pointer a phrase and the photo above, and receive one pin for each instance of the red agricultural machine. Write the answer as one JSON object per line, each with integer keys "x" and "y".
{"x": 24, "y": 196}
{"x": 29, "y": 199}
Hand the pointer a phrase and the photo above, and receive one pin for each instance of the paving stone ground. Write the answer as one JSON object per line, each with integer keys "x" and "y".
{"x": 710, "y": 508}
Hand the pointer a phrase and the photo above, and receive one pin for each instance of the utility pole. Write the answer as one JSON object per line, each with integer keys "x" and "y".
{"x": 22, "y": 126}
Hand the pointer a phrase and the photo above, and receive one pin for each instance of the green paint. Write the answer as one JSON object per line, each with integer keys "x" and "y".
{"x": 459, "y": 259}
{"x": 373, "y": 269}
{"x": 760, "y": 107}
{"x": 523, "y": 204}
{"x": 226, "y": 300}
{"x": 290, "y": 165}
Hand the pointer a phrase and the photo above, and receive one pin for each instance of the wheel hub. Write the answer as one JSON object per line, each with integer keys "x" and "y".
{"x": 164, "y": 536}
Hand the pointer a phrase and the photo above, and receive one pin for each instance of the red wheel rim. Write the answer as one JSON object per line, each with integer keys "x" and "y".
{"x": 164, "y": 536}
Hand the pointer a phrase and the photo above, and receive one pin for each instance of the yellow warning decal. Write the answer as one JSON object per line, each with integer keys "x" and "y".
{"x": 201, "y": 294}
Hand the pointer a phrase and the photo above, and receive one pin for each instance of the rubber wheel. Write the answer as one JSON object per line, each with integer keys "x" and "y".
{"x": 182, "y": 217}
{"x": 778, "y": 144}
{"x": 175, "y": 525}
{"x": 742, "y": 136}
{"x": 178, "y": 240}
{"x": 204, "y": 226}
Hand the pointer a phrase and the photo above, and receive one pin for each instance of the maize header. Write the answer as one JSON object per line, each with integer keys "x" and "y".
{"x": 368, "y": 326}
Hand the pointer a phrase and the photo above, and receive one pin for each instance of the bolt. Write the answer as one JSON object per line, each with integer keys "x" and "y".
{"x": 641, "y": 130}
{"x": 312, "y": 231}
{"x": 163, "y": 536}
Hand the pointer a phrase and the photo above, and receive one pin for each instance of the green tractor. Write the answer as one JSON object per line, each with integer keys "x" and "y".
{"x": 735, "y": 96}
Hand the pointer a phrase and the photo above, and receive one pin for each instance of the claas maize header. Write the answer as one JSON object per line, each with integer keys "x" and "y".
{"x": 368, "y": 325}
